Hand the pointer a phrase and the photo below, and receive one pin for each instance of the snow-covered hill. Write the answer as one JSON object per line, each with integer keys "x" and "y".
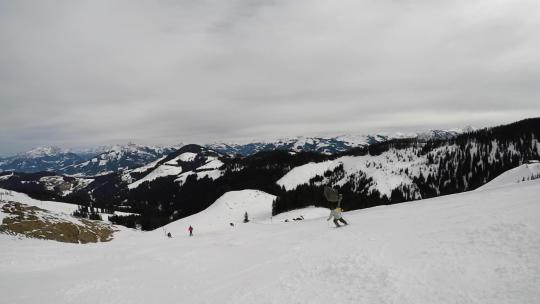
{"x": 190, "y": 160}
{"x": 525, "y": 172}
{"x": 385, "y": 172}
{"x": 62, "y": 209}
{"x": 475, "y": 247}
{"x": 22, "y": 216}
{"x": 229, "y": 208}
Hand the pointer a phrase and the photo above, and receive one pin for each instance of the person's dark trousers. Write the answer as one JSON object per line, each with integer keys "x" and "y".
{"x": 341, "y": 220}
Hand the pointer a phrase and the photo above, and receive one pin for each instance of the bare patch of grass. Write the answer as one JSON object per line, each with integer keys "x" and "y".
{"x": 38, "y": 223}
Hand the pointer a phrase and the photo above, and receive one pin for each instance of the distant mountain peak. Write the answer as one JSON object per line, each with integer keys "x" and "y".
{"x": 43, "y": 151}
{"x": 468, "y": 129}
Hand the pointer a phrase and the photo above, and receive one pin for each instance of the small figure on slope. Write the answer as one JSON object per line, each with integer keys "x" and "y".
{"x": 169, "y": 234}
{"x": 334, "y": 197}
{"x": 246, "y": 219}
{"x": 190, "y": 229}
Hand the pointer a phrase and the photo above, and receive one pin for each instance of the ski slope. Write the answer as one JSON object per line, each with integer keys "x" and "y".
{"x": 475, "y": 247}
{"x": 231, "y": 207}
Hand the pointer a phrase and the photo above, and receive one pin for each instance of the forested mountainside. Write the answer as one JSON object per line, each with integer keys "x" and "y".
{"x": 404, "y": 170}
{"x": 193, "y": 177}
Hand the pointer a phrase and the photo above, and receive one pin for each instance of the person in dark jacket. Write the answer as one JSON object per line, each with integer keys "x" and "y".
{"x": 190, "y": 229}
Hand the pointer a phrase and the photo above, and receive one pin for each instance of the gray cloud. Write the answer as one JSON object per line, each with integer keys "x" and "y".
{"x": 81, "y": 73}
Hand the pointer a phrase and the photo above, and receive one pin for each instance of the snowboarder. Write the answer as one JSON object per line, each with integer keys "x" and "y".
{"x": 169, "y": 234}
{"x": 334, "y": 197}
{"x": 246, "y": 219}
{"x": 336, "y": 214}
{"x": 190, "y": 230}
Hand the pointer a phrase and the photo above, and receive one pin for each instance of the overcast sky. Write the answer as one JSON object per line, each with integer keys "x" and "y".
{"x": 84, "y": 73}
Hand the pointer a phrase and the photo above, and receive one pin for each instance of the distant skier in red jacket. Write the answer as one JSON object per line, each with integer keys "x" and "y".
{"x": 190, "y": 230}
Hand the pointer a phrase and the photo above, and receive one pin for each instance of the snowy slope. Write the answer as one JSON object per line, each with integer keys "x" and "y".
{"x": 65, "y": 209}
{"x": 57, "y": 207}
{"x": 161, "y": 171}
{"x": 24, "y": 217}
{"x": 519, "y": 174}
{"x": 229, "y": 208}
{"x": 388, "y": 170}
{"x": 475, "y": 247}
{"x": 189, "y": 160}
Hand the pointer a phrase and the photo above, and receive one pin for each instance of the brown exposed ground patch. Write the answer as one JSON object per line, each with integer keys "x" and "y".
{"x": 38, "y": 223}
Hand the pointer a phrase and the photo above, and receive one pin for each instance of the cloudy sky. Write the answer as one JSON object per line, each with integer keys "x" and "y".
{"x": 84, "y": 73}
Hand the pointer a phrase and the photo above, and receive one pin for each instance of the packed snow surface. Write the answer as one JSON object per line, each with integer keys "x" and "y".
{"x": 475, "y": 247}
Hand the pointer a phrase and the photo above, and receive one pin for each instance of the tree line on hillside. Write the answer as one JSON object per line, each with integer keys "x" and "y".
{"x": 477, "y": 158}
{"x": 163, "y": 200}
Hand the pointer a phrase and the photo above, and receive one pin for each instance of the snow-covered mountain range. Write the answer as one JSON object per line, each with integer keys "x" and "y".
{"x": 117, "y": 158}
{"x": 330, "y": 145}
{"x": 108, "y": 159}
{"x": 473, "y": 247}
{"x": 41, "y": 159}
{"x": 189, "y": 179}
{"x": 88, "y": 162}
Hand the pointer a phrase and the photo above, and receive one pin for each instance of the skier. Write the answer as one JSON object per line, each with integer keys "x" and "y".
{"x": 190, "y": 230}
{"x": 169, "y": 234}
{"x": 336, "y": 214}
